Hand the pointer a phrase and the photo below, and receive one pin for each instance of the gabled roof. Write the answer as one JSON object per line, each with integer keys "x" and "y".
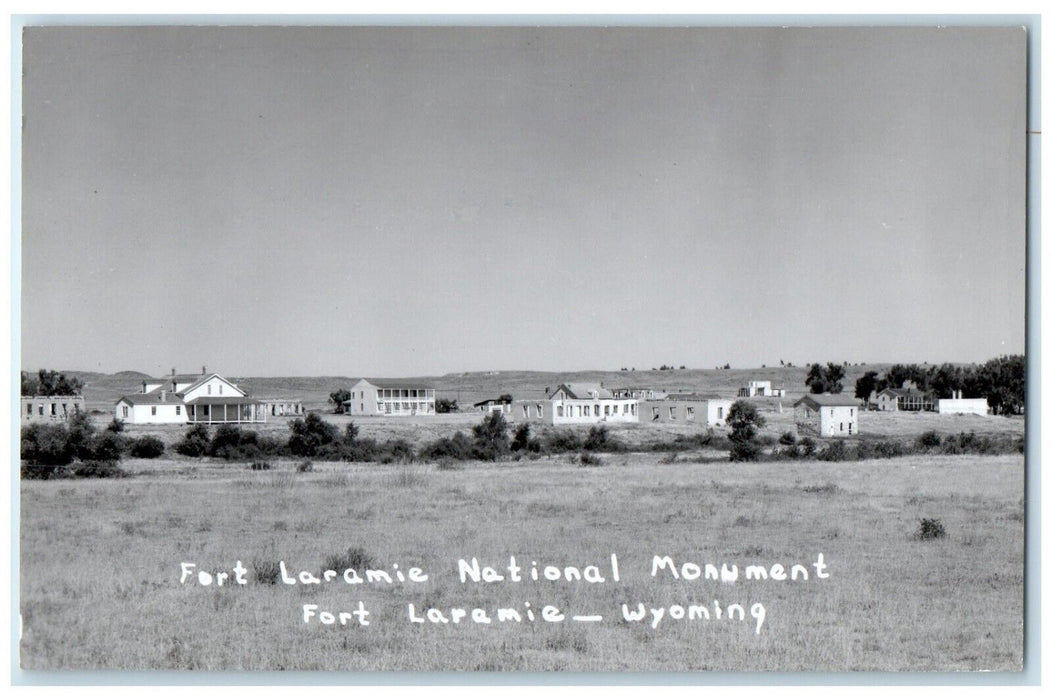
{"x": 152, "y": 399}
{"x": 819, "y": 400}
{"x": 904, "y": 392}
{"x": 489, "y": 402}
{"x": 396, "y": 383}
{"x": 179, "y": 378}
{"x": 204, "y": 378}
{"x": 582, "y": 390}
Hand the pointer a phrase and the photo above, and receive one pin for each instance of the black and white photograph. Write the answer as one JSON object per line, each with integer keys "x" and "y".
{"x": 583, "y": 347}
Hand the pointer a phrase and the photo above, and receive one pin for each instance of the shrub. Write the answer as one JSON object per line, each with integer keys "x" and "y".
{"x": 107, "y": 447}
{"x": 523, "y": 442}
{"x": 44, "y": 471}
{"x": 563, "y": 441}
{"x": 265, "y": 571}
{"x": 116, "y": 426}
{"x": 808, "y": 446}
{"x": 354, "y": 558}
{"x": 491, "y": 438}
{"x": 886, "y": 449}
{"x": 94, "y": 469}
{"x": 195, "y": 442}
{"x": 600, "y": 440}
{"x": 835, "y": 451}
{"x": 305, "y": 466}
{"x": 46, "y": 445}
{"x": 787, "y": 438}
{"x": 365, "y": 450}
{"x": 260, "y": 466}
{"x": 147, "y": 447}
{"x": 397, "y": 450}
{"x": 224, "y": 441}
{"x": 929, "y": 440}
{"x": 309, "y": 435}
{"x": 744, "y": 421}
{"x": 456, "y": 447}
{"x": 930, "y": 529}
{"x": 589, "y": 460}
{"x": 81, "y": 434}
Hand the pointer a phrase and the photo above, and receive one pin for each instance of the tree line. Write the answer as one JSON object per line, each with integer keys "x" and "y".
{"x": 48, "y": 382}
{"x": 1001, "y": 381}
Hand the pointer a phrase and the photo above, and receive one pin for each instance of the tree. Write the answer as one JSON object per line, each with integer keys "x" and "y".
{"x": 866, "y": 385}
{"x": 491, "y": 437}
{"x": 505, "y": 398}
{"x": 446, "y": 406}
{"x": 898, "y": 375}
{"x": 744, "y": 421}
{"x": 523, "y": 442}
{"x": 48, "y": 382}
{"x": 825, "y": 380}
{"x": 311, "y": 434}
{"x": 195, "y": 442}
{"x": 338, "y": 397}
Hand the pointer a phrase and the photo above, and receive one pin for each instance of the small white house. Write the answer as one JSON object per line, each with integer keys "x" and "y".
{"x": 760, "y": 388}
{"x": 957, "y": 404}
{"x": 827, "y": 415}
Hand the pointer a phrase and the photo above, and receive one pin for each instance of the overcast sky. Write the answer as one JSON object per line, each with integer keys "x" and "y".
{"x": 405, "y": 201}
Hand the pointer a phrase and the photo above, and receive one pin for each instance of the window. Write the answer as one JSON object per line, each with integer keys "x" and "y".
{"x": 153, "y": 410}
{"x": 841, "y": 427}
{"x": 540, "y": 411}
{"x": 597, "y": 410}
{"x": 53, "y": 410}
{"x": 606, "y": 410}
{"x": 559, "y": 410}
{"x": 672, "y": 413}
{"x": 41, "y": 411}
{"x": 29, "y": 409}
{"x": 690, "y": 413}
{"x": 178, "y": 410}
{"x": 525, "y": 410}
{"x": 657, "y": 413}
{"x": 209, "y": 389}
{"x": 588, "y": 410}
{"x": 719, "y": 412}
{"x": 220, "y": 388}
{"x": 124, "y": 411}
{"x": 615, "y": 409}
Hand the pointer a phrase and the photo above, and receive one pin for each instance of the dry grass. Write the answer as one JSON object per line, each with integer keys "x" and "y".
{"x": 100, "y": 564}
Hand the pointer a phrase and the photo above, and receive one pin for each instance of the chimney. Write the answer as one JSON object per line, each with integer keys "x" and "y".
{"x": 163, "y": 395}
{"x": 203, "y": 370}
{"x": 173, "y": 371}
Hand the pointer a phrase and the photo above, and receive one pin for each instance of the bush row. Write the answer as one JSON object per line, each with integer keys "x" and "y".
{"x": 930, "y": 443}
{"x": 73, "y": 449}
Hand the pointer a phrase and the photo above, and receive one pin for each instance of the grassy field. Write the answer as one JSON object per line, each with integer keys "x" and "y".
{"x": 100, "y": 564}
